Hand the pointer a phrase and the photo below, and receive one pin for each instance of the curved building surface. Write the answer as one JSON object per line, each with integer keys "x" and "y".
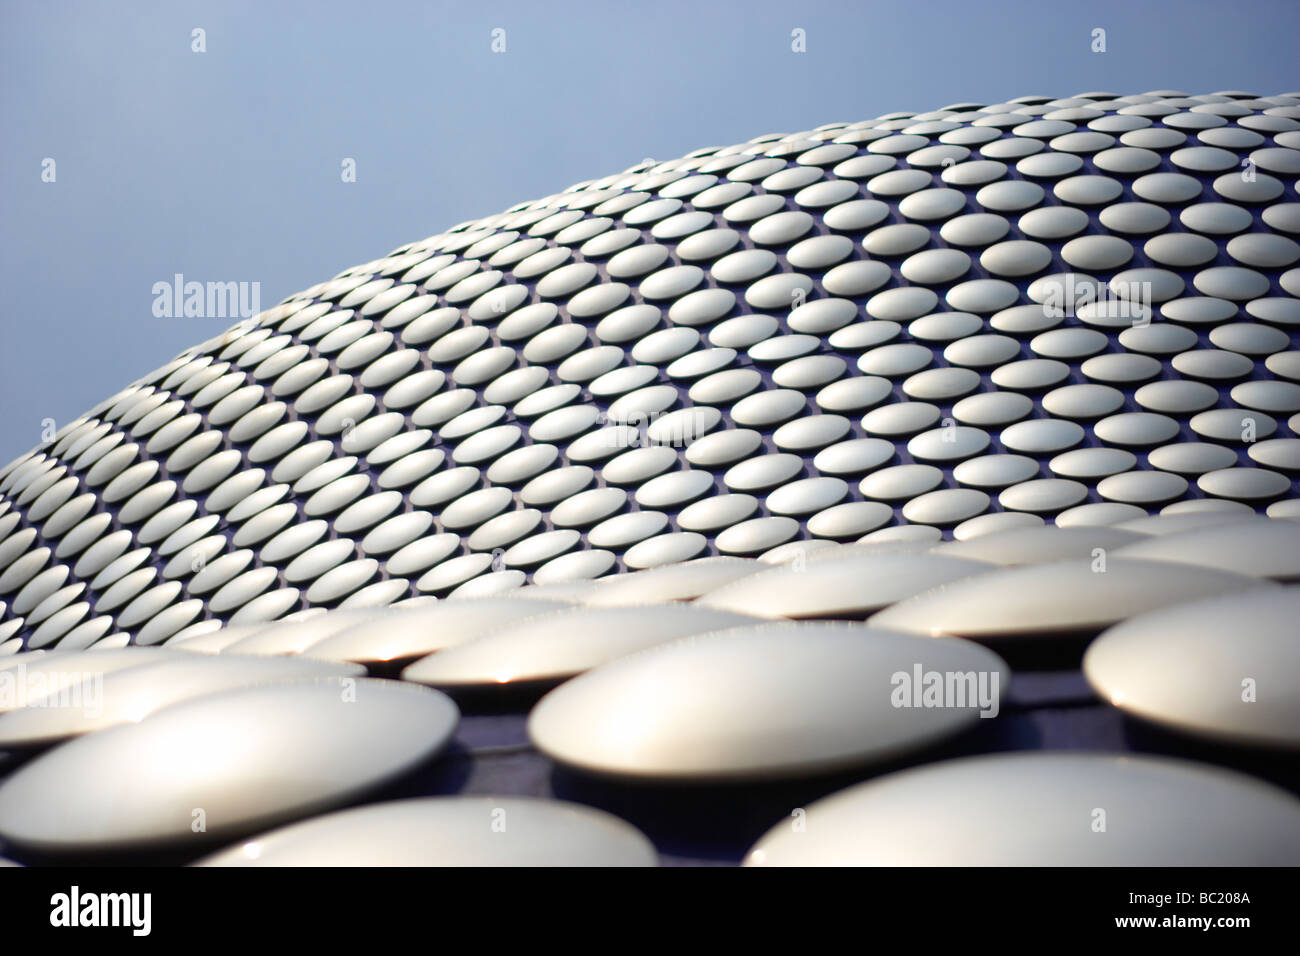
{"x": 1010, "y": 375}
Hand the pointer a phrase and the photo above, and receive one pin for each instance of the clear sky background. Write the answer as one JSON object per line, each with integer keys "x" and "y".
{"x": 225, "y": 165}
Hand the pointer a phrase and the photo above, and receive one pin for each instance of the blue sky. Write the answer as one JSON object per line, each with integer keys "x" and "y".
{"x": 225, "y": 165}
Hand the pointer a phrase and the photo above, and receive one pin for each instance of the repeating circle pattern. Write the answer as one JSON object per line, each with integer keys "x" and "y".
{"x": 1027, "y": 318}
